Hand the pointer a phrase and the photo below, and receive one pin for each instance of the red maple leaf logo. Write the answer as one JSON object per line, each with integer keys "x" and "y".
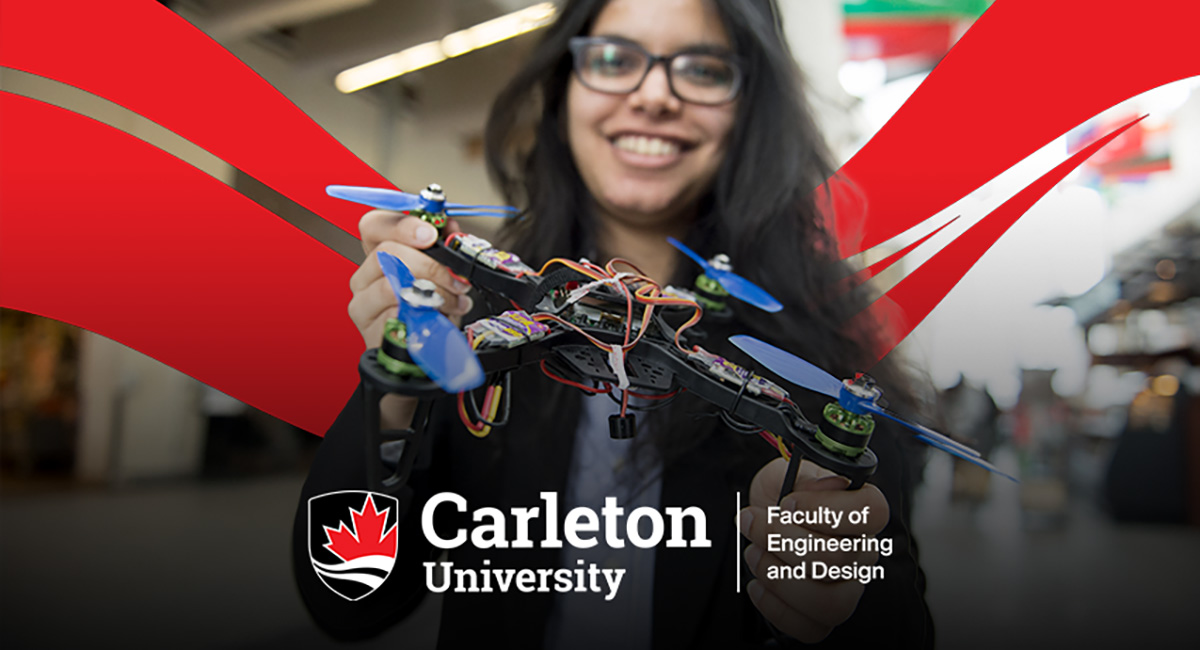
{"x": 365, "y": 537}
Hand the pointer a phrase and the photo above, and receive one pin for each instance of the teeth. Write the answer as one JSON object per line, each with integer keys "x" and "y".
{"x": 640, "y": 144}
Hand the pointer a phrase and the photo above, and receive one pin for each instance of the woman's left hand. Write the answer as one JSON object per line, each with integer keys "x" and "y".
{"x": 807, "y": 609}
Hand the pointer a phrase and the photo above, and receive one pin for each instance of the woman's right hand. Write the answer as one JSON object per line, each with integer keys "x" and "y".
{"x": 374, "y": 301}
{"x": 405, "y": 237}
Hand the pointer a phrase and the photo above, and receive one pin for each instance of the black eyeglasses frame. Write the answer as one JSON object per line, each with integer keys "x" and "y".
{"x": 578, "y": 44}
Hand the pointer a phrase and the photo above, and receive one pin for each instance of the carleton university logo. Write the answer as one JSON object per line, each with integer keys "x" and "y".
{"x": 352, "y": 540}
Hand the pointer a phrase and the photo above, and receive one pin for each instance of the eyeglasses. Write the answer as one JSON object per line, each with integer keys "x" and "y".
{"x": 618, "y": 67}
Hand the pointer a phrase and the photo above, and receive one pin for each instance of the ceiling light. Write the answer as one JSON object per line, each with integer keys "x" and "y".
{"x": 452, "y": 45}
{"x": 1165, "y": 385}
{"x": 1165, "y": 269}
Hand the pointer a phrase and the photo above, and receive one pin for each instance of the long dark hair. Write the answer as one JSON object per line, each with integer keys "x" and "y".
{"x": 761, "y": 208}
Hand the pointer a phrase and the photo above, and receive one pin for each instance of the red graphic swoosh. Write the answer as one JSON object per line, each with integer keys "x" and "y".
{"x": 154, "y": 253}
{"x": 146, "y": 58}
{"x": 1025, "y": 73}
{"x": 914, "y": 297}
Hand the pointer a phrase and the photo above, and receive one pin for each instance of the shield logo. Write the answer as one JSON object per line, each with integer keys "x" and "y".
{"x": 352, "y": 540}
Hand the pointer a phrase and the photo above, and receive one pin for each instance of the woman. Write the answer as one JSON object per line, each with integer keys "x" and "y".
{"x": 633, "y": 121}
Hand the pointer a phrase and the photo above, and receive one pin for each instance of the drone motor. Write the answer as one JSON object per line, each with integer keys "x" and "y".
{"x": 850, "y": 433}
{"x": 857, "y": 400}
{"x": 393, "y": 355}
{"x": 709, "y": 292}
{"x": 422, "y": 293}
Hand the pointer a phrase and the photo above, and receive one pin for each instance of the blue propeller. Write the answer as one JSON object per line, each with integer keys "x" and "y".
{"x": 856, "y": 397}
{"x": 431, "y": 199}
{"x": 434, "y": 343}
{"x": 736, "y": 285}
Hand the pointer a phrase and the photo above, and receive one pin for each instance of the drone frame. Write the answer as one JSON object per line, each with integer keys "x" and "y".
{"x": 654, "y": 362}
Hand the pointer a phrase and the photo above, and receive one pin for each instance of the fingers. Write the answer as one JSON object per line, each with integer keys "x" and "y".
{"x": 371, "y": 306}
{"x": 806, "y": 606}
{"x": 820, "y": 527}
{"x": 372, "y": 330}
{"x": 420, "y": 264}
{"x": 794, "y": 544}
{"x": 840, "y": 514}
{"x": 374, "y": 300}
{"x": 788, "y": 620}
{"x": 363, "y": 281}
{"x": 817, "y": 488}
{"x": 378, "y": 226}
{"x": 378, "y": 301}
{"x": 863, "y": 511}
{"x": 765, "y": 488}
{"x": 826, "y": 605}
{"x": 799, "y": 545}
{"x": 828, "y": 602}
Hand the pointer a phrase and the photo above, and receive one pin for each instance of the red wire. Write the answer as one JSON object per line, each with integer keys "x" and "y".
{"x": 561, "y": 380}
{"x": 594, "y": 268}
{"x": 777, "y": 445}
{"x": 462, "y": 415}
{"x": 488, "y": 399}
{"x": 663, "y": 396}
{"x": 612, "y": 266}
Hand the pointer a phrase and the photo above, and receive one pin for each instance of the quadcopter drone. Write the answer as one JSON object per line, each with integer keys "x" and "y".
{"x": 603, "y": 330}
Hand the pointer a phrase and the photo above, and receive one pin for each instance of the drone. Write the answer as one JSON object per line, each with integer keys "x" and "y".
{"x": 602, "y": 330}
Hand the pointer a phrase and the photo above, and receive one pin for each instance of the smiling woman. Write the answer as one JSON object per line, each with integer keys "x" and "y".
{"x": 646, "y": 155}
{"x": 634, "y": 121}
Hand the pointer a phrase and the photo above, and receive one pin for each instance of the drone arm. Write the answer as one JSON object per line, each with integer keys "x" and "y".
{"x": 731, "y": 399}
{"x": 393, "y": 454}
{"x": 783, "y": 419}
{"x": 526, "y": 291}
{"x": 507, "y": 359}
{"x": 521, "y": 290}
{"x": 339, "y": 465}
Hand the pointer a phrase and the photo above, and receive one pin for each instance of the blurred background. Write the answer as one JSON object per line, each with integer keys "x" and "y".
{"x": 137, "y": 504}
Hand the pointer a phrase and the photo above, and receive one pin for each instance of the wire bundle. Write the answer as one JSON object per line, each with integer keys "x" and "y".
{"x": 637, "y": 289}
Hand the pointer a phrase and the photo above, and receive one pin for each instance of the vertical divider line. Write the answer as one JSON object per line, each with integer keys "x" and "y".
{"x": 737, "y": 546}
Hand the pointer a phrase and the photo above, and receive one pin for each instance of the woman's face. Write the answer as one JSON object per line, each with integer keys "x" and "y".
{"x": 646, "y": 156}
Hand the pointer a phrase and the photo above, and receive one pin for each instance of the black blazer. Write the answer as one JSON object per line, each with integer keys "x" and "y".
{"x": 696, "y": 604}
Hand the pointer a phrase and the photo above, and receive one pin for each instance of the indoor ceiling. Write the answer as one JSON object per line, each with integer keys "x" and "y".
{"x": 331, "y": 35}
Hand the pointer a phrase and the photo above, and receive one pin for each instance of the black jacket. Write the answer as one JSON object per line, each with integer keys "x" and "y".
{"x": 696, "y": 604}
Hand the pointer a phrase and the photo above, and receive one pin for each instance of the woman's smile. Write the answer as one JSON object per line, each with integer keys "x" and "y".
{"x": 649, "y": 151}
